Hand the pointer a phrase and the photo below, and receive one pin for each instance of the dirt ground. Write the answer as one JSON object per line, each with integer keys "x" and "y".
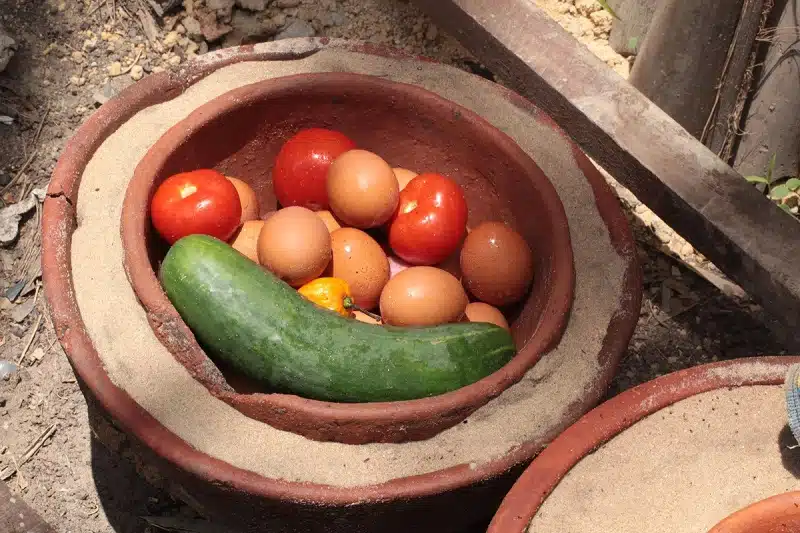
{"x": 72, "y": 56}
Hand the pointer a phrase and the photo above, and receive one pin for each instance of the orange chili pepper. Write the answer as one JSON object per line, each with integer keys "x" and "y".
{"x": 330, "y": 293}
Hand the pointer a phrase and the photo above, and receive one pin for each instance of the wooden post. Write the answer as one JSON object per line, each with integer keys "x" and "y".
{"x": 629, "y": 31}
{"x": 772, "y": 125}
{"x": 683, "y": 182}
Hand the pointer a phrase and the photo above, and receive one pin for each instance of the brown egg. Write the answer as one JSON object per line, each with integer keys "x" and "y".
{"x": 329, "y": 220}
{"x": 483, "y": 312}
{"x": 423, "y": 296}
{"x": 359, "y": 260}
{"x": 361, "y": 317}
{"x": 362, "y": 189}
{"x": 497, "y": 264}
{"x": 403, "y": 176}
{"x": 247, "y": 197}
{"x": 245, "y": 240}
{"x": 295, "y": 245}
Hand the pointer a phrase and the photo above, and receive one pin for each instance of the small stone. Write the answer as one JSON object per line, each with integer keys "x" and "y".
{"x": 192, "y": 26}
{"x": 296, "y": 29}
{"x": 171, "y": 38}
{"x": 211, "y": 29}
{"x": 192, "y": 48}
{"x": 77, "y": 56}
{"x": 156, "y": 70}
{"x": 174, "y": 61}
{"x": 203, "y": 48}
{"x": 114, "y": 69}
{"x": 220, "y": 4}
{"x": 77, "y": 81}
{"x": 431, "y": 33}
{"x": 248, "y": 29}
{"x": 338, "y": 18}
{"x": 252, "y": 5}
{"x": 286, "y": 3}
{"x": 279, "y": 19}
{"x": 137, "y": 72}
{"x": 181, "y": 29}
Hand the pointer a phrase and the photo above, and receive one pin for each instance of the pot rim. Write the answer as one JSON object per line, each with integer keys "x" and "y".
{"x": 352, "y": 423}
{"x": 609, "y": 419}
{"x": 761, "y": 513}
{"x": 59, "y": 222}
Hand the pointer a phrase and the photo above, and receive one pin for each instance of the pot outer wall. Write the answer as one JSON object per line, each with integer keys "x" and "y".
{"x": 603, "y": 423}
{"x": 443, "y": 502}
{"x": 243, "y": 512}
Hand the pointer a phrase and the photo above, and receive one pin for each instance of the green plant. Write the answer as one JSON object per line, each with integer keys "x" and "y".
{"x": 604, "y": 5}
{"x": 785, "y": 193}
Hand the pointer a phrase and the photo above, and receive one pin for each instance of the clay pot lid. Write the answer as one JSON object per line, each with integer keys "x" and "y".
{"x": 594, "y": 214}
{"x": 588, "y": 439}
{"x": 241, "y": 131}
{"x": 776, "y": 514}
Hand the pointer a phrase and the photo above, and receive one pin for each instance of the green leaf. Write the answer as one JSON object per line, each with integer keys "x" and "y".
{"x": 793, "y": 184}
{"x": 604, "y": 4}
{"x": 633, "y": 44}
{"x": 780, "y": 192}
{"x": 756, "y": 179}
{"x": 771, "y": 167}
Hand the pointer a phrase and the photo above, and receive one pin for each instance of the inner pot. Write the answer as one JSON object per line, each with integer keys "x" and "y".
{"x": 240, "y": 132}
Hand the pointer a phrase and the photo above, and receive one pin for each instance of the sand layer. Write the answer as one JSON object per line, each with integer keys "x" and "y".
{"x": 682, "y": 469}
{"x": 138, "y": 363}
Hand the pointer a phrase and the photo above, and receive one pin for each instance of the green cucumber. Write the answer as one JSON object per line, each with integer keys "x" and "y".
{"x": 248, "y": 318}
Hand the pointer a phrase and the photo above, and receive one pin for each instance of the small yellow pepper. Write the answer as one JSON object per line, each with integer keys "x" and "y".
{"x": 330, "y": 293}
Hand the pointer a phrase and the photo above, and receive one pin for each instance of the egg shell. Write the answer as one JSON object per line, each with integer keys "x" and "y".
{"x": 497, "y": 264}
{"x": 247, "y": 197}
{"x": 423, "y": 296}
{"x": 483, "y": 312}
{"x": 329, "y": 220}
{"x": 403, "y": 176}
{"x": 295, "y": 245}
{"x": 245, "y": 240}
{"x": 360, "y": 261}
{"x": 362, "y": 189}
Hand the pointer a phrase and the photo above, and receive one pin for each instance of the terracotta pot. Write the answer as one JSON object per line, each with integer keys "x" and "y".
{"x": 240, "y": 133}
{"x": 778, "y": 514}
{"x": 447, "y": 499}
{"x": 611, "y": 418}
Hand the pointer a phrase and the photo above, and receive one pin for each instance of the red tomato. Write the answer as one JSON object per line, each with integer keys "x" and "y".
{"x": 200, "y": 201}
{"x": 430, "y": 221}
{"x": 301, "y": 167}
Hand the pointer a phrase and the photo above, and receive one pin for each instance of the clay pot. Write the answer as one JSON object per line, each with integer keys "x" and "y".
{"x": 611, "y": 418}
{"x": 444, "y": 499}
{"x": 241, "y": 132}
{"x": 778, "y": 514}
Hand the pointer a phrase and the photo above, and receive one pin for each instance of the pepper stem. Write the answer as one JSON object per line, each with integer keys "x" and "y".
{"x": 348, "y": 303}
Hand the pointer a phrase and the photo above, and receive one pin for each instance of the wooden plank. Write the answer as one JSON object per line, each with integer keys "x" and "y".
{"x": 690, "y": 188}
{"x": 17, "y": 517}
